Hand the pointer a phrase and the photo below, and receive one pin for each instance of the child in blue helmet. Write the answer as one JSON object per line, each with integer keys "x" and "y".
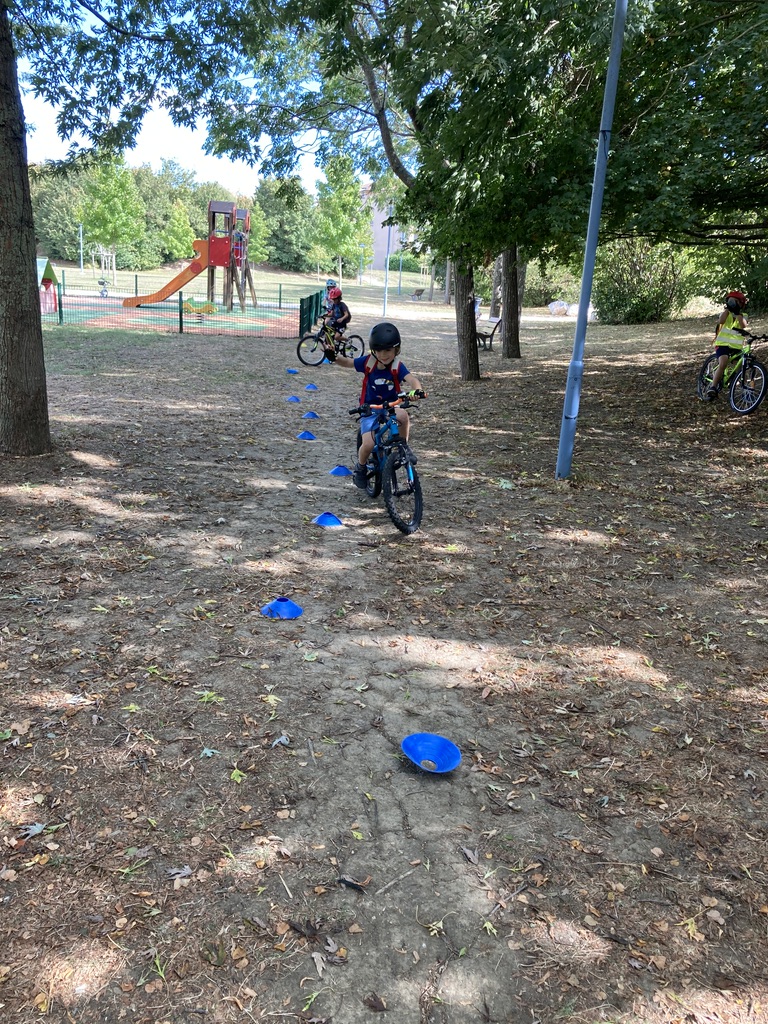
{"x": 385, "y": 376}
{"x": 728, "y": 337}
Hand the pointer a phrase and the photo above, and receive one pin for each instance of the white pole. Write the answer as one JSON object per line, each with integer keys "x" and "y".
{"x": 386, "y": 264}
{"x": 81, "y": 247}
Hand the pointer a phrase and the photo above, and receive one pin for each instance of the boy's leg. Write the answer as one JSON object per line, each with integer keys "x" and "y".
{"x": 404, "y": 422}
{"x": 360, "y": 475}
{"x": 714, "y": 387}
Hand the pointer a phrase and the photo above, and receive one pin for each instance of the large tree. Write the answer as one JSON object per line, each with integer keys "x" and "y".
{"x": 24, "y": 428}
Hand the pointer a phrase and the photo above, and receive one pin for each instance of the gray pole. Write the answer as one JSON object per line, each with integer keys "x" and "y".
{"x": 576, "y": 368}
{"x": 81, "y": 246}
{"x": 386, "y": 265}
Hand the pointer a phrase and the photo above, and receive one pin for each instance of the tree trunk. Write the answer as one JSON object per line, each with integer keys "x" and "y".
{"x": 511, "y": 304}
{"x": 469, "y": 364}
{"x": 432, "y": 281}
{"x": 447, "y": 298}
{"x": 495, "y": 288}
{"x": 24, "y": 428}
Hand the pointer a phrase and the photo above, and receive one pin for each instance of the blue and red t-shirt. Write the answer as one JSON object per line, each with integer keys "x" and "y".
{"x": 381, "y": 383}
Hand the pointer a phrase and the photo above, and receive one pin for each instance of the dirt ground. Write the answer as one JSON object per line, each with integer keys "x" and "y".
{"x": 204, "y": 812}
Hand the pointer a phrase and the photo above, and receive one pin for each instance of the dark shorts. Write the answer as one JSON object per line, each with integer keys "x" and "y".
{"x": 726, "y": 350}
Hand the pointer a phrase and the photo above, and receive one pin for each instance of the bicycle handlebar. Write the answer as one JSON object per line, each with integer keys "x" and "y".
{"x": 404, "y": 399}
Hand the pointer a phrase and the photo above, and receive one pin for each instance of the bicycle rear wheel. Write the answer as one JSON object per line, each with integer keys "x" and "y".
{"x": 748, "y": 387}
{"x": 353, "y": 346}
{"x": 402, "y": 492}
{"x": 310, "y": 350}
{"x": 706, "y": 373}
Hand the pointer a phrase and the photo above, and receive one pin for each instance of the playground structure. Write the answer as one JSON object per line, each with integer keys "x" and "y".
{"x": 226, "y": 247}
{"x": 47, "y": 283}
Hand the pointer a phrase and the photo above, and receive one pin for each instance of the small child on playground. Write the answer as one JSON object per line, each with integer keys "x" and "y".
{"x": 727, "y": 337}
{"x": 385, "y": 375}
{"x": 338, "y": 313}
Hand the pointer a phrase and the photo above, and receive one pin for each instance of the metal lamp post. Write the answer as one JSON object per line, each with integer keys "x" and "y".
{"x": 386, "y": 262}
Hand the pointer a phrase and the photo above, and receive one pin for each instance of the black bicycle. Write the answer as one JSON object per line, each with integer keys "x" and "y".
{"x": 311, "y": 348}
{"x": 745, "y": 376}
{"x": 389, "y": 467}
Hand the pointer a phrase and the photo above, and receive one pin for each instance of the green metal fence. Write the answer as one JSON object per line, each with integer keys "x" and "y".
{"x": 185, "y": 312}
{"x": 310, "y": 309}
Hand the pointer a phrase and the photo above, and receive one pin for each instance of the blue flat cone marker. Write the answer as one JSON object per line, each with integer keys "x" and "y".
{"x": 310, "y": 416}
{"x": 311, "y": 387}
{"x": 306, "y": 436}
{"x": 293, "y": 398}
{"x": 327, "y": 519}
{"x": 340, "y": 471}
{"x": 282, "y": 608}
{"x": 291, "y": 371}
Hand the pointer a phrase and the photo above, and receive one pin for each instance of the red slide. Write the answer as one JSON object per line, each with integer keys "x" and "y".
{"x": 197, "y": 266}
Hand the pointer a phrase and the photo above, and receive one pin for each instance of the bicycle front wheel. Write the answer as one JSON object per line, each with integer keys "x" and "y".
{"x": 353, "y": 346}
{"x": 706, "y": 373}
{"x": 310, "y": 350}
{"x": 402, "y": 492}
{"x": 748, "y": 387}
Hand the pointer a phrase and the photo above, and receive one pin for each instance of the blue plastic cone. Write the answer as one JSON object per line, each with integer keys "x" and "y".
{"x": 327, "y": 519}
{"x": 293, "y": 398}
{"x": 340, "y": 471}
{"x": 430, "y": 752}
{"x": 311, "y": 387}
{"x": 310, "y": 416}
{"x": 291, "y": 371}
{"x": 306, "y": 436}
{"x": 282, "y": 608}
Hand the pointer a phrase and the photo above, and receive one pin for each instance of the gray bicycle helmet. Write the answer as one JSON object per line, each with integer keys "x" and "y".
{"x": 384, "y": 336}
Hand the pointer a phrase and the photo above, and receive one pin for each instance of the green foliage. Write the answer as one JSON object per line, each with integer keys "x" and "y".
{"x": 639, "y": 283}
{"x": 343, "y": 221}
{"x": 144, "y": 254}
{"x": 411, "y": 262}
{"x": 57, "y": 204}
{"x": 290, "y": 218}
{"x": 257, "y": 243}
{"x": 114, "y": 211}
{"x": 545, "y": 283}
{"x": 719, "y": 269}
{"x": 177, "y": 237}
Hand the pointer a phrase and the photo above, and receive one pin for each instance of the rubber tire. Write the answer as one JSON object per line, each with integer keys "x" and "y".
{"x": 373, "y": 487}
{"x": 706, "y": 373}
{"x": 397, "y": 463}
{"x": 310, "y": 350}
{"x": 757, "y": 376}
{"x": 354, "y": 346}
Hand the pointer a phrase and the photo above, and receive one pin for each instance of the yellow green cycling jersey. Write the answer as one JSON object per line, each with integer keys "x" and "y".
{"x": 727, "y": 336}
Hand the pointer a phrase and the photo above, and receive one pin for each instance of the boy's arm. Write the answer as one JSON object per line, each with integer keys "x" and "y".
{"x": 333, "y": 357}
{"x": 412, "y": 383}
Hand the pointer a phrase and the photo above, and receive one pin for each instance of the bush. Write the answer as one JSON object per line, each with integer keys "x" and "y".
{"x": 639, "y": 283}
{"x": 547, "y": 283}
{"x": 146, "y": 254}
{"x": 411, "y": 262}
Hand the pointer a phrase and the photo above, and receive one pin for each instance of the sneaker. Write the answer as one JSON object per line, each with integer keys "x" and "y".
{"x": 411, "y": 454}
{"x": 360, "y": 476}
{"x": 711, "y": 394}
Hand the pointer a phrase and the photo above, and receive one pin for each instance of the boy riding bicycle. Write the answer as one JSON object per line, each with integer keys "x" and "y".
{"x": 728, "y": 338}
{"x": 385, "y": 375}
{"x": 338, "y": 313}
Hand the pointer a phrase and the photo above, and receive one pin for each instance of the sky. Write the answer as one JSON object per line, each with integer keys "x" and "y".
{"x": 159, "y": 139}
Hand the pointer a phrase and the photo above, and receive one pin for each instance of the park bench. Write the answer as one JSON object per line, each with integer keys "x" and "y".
{"x": 417, "y": 293}
{"x": 486, "y": 329}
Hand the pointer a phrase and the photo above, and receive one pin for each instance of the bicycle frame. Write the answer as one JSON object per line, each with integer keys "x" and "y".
{"x": 390, "y": 466}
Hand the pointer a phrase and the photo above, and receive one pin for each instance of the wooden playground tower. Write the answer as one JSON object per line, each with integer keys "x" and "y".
{"x": 228, "y": 231}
